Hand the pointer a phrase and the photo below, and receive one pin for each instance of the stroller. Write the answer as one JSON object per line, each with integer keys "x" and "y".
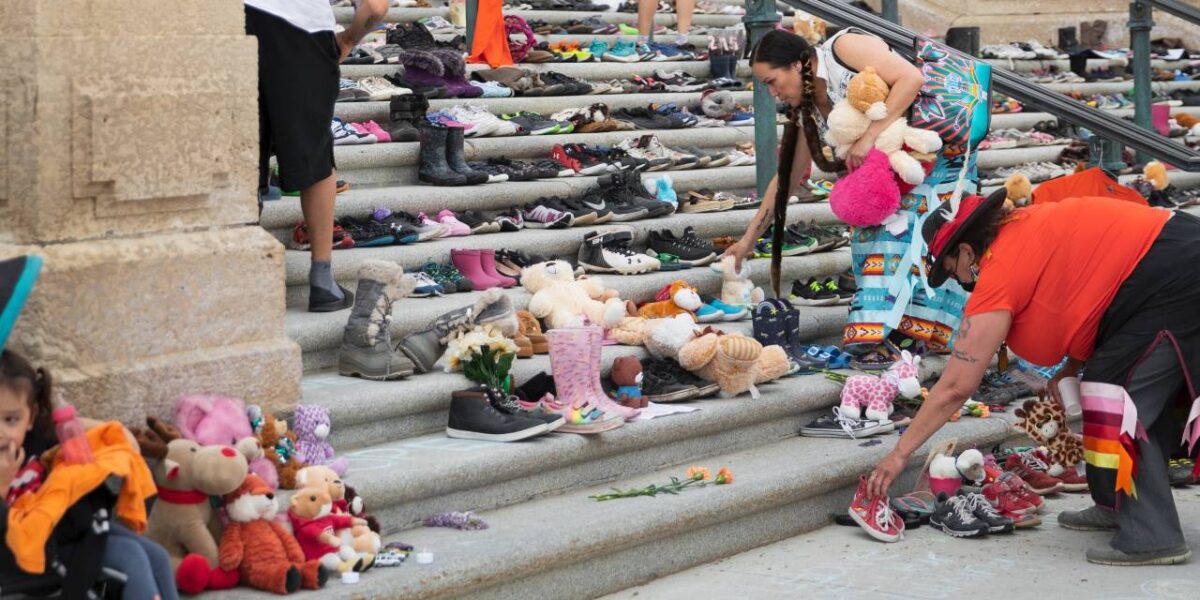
{"x": 73, "y": 568}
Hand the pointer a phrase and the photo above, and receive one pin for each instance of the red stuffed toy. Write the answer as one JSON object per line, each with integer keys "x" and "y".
{"x": 265, "y": 555}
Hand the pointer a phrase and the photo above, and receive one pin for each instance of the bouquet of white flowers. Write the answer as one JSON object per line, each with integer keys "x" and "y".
{"x": 484, "y": 355}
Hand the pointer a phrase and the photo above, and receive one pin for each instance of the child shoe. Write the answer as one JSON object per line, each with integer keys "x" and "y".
{"x": 984, "y": 511}
{"x": 875, "y": 515}
{"x": 1026, "y": 468}
{"x": 955, "y": 517}
{"x": 449, "y": 219}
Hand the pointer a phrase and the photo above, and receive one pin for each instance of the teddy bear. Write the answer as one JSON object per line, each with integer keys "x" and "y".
{"x": 626, "y": 373}
{"x": 212, "y": 419}
{"x": 360, "y": 537}
{"x": 258, "y": 547}
{"x": 279, "y": 446}
{"x": 678, "y": 298}
{"x": 811, "y": 28}
{"x": 734, "y": 362}
{"x": 186, "y": 474}
{"x": 736, "y": 287}
{"x": 664, "y": 337}
{"x": 312, "y": 438}
{"x": 560, "y": 300}
{"x": 314, "y": 525}
{"x": 1156, "y": 173}
{"x": 1018, "y": 190}
{"x": 357, "y": 508}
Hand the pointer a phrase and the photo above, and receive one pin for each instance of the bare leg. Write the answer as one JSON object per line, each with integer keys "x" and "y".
{"x": 683, "y": 15}
{"x": 317, "y": 201}
{"x": 646, "y": 10}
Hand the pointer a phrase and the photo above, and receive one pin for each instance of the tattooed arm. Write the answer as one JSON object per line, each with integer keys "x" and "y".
{"x": 802, "y": 166}
{"x": 978, "y": 338}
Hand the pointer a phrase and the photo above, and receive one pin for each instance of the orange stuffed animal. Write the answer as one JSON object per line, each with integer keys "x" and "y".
{"x": 676, "y": 299}
{"x": 265, "y": 555}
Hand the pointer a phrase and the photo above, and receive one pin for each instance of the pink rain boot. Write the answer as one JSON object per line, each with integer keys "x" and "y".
{"x": 488, "y": 259}
{"x": 596, "y": 390}
{"x": 570, "y": 364}
{"x": 469, "y": 263}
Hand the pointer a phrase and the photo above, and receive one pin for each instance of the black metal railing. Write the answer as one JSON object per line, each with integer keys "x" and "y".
{"x": 1030, "y": 94}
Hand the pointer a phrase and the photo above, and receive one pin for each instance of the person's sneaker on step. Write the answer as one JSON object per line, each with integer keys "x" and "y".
{"x": 472, "y": 417}
{"x": 955, "y": 517}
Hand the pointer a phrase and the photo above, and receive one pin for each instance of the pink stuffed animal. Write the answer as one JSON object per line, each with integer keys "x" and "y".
{"x": 218, "y": 420}
{"x": 870, "y": 397}
{"x": 868, "y": 196}
{"x": 312, "y": 434}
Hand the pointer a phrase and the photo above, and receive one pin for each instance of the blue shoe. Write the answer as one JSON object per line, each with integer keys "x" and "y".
{"x": 729, "y": 312}
{"x": 708, "y": 313}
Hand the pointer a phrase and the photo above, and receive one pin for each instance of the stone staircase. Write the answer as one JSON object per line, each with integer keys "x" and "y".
{"x": 546, "y": 537}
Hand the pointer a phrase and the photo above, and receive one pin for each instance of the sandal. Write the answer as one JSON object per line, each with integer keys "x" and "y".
{"x": 921, "y": 503}
{"x": 837, "y": 358}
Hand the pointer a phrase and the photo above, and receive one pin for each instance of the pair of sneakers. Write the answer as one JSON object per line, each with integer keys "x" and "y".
{"x": 968, "y": 515}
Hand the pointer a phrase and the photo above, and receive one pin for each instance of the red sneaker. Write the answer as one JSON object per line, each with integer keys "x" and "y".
{"x": 301, "y": 241}
{"x": 875, "y": 515}
{"x": 559, "y": 154}
{"x": 1073, "y": 482}
{"x": 1018, "y": 486}
{"x": 1006, "y": 500}
{"x": 1037, "y": 481}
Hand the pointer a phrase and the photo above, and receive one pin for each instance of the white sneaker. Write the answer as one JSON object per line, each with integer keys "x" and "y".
{"x": 345, "y": 135}
{"x": 381, "y": 89}
{"x": 486, "y": 124}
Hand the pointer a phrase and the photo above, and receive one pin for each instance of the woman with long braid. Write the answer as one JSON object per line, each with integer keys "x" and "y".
{"x": 811, "y": 79}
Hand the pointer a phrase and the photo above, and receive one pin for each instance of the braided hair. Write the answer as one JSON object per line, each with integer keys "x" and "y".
{"x": 782, "y": 50}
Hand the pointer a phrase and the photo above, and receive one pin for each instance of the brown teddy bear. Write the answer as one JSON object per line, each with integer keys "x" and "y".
{"x": 314, "y": 525}
{"x": 735, "y": 362}
{"x": 279, "y": 446}
{"x": 357, "y": 508}
{"x": 359, "y": 537}
{"x": 255, "y": 545}
{"x": 627, "y": 374}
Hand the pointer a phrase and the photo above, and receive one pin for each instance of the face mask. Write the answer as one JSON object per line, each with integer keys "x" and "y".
{"x": 969, "y": 286}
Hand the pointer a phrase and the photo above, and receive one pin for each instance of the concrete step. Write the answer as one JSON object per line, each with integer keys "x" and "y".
{"x": 1062, "y": 64}
{"x": 280, "y": 216}
{"x": 366, "y": 413}
{"x": 320, "y": 334}
{"x": 1119, "y": 87}
{"x": 573, "y": 547}
{"x": 362, "y": 111}
{"x": 1178, "y": 178}
{"x": 602, "y": 71}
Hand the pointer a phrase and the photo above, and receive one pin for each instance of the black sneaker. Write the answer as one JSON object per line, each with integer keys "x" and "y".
{"x": 580, "y": 214}
{"x": 984, "y": 511}
{"x": 519, "y": 259}
{"x": 837, "y": 426}
{"x": 550, "y": 169}
{"x": 406, "y": 227}
{"x": 574, "y": 87}
{"x": 610, "y": 253}
{"x": 368, "y": 232}
{"x": 477, "y": 221}
{"x": 827, "y": 238}
{"x": 603, "y": 213}
{"x": 831, "y": 285}
{"x": 689, "y": 248}
{"x": 532, "y": 123}
{"x": 812, "y": 293}
{"x": 617, "y": 191}
{"x": 956, "y": 518}
{"x": 472, "y": 417}
{"x": 659, "y": 384}
{"x": 704, "y": 389}
{"x": 509, "y": 405}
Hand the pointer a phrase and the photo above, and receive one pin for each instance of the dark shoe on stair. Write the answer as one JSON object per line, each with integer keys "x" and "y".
{"x": 320, "y": 300}
{"x": 472, "y": 417}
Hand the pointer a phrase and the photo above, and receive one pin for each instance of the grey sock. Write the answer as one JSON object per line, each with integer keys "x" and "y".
{"x": 320, "y": 276}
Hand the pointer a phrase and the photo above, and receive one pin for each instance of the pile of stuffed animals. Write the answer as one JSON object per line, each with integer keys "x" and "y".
{"x": 222, "y": 467}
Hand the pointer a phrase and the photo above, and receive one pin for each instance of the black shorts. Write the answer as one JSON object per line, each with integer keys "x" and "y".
{"x": 297, "y": 88}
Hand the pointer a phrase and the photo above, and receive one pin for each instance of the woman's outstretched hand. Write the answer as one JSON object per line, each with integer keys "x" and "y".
{"x": 884, "y": 474}
{"x": 738, "y": 251}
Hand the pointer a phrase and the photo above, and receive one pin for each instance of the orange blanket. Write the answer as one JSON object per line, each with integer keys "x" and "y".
{"x": 33, "y": 516}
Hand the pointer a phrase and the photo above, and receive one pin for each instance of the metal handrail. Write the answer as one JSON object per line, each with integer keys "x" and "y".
{"x": 1010, "y": 84}
{"x": 1178, "y": 8}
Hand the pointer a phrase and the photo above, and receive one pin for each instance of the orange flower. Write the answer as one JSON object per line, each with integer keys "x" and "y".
{"x": 699, "y": 473}
{"x": 724, "y": 476}
{"x": 955, "y": 415}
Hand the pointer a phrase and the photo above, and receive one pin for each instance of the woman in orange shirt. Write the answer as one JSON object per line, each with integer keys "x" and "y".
{"x": 1116, "y": 288}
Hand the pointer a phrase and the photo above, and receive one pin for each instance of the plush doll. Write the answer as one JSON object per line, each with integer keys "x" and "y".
{"x": 358, "y": 509}
{"x": 358, "y": 536}
{"x": 1045, "y": 422}
{"x": 736, "y": 287}
{"x": 187, "y": 473}
{"x": 1018, "y": 191}
{"x": 678, "y": 298}
{"x": 664, "y": 337}
{"x": 627, "y": 374}
{"x": 312, "y": 434}
{"x": 1156, "y": 173}
{"x": 869, "y": 195}
{"x": 811, "y": 28}
{"x": 559, "y": 300}
{"x": 258, "y": 547}
{"x": 870, "y": 397}
{"x": 735, "y": 362}
{"x": 279, "y": 446}
{"x": 947, "y": 472}
{"x": 864, "y": 103}
{"x": 212, "y": 420}
{"x": 313, "y": 524}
